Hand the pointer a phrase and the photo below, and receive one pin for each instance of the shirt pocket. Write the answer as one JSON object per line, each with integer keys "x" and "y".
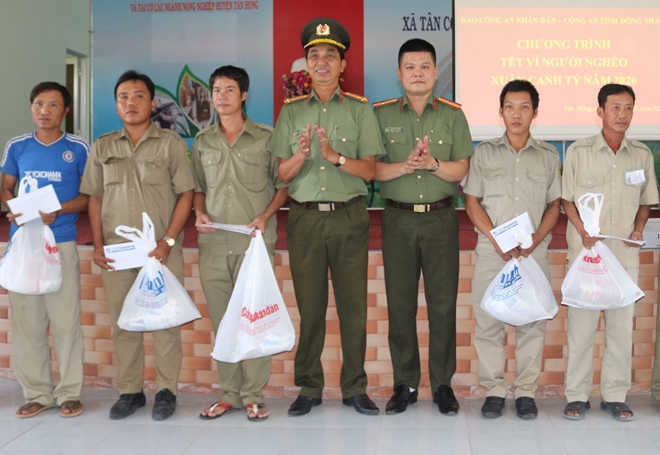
{"x": 495, "y": 182}
{"x": 344, "y": 141}
{"x": 253, "y": 169}
{"x": 589, "y": 183}
{"x": 294, "y": 144}
{"x": 113, "y": 170}
{"x": 397, "y": 147}
{"x": 155, "y": 171}
{"x": 539, "y": 186}
{"x": 210, "y": 160}
{"x": 440, "y": 145}
{"x": 632, "y": 194}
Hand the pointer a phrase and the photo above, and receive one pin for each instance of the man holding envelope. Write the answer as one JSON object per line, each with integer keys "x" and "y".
{"x": 509, "y": 176}
{"x": 56, "y": 158}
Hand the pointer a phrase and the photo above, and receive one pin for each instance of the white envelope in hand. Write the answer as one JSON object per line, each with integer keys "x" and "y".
{"x": 505, "y": 234}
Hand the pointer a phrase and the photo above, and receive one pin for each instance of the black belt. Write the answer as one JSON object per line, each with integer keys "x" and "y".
{"x": 421, "y": 208}
{"x": 327, "y": 206}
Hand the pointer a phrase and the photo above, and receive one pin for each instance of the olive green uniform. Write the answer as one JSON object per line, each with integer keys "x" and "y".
{"x": 426, "y": 242}
{"x": 145, "y": 178}
{"x": 510, "y": 184}
{"x": 337, "y": 238}
{"x": 591, "y": 166}
{"x": 239, "y": 182}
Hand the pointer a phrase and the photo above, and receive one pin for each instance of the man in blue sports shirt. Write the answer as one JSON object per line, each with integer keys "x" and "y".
{"x": 56, "y": 158}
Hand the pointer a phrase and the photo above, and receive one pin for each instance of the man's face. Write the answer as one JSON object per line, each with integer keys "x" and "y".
{"x": 518, "y": 112}
{"x": 617, "y": 113}
{"x": 227, "y": 97}
{"x": 134, "y": 103}
{"x": 417, "y": 73}
{"x": 324, "y": 65}
{"x": 48, "y": 110}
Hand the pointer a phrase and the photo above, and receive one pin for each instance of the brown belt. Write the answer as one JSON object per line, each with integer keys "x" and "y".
{"x": 327, "y": 206}
{"x": 421, "y": 208}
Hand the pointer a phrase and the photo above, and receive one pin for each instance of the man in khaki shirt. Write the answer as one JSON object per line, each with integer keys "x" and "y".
{"x": 140, "y": 168}
{"x": 509, "y": 176}
{"x": 622, "y": 170}
{"x": 236, "y": 183}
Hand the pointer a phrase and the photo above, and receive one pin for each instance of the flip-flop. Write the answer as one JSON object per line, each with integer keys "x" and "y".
{"x": 70, "y": 404}
{"x": 221, "y": 404}
{"x": 255, "y": 408}
{"x": 615, "y": 409}
{"x": 27, "y": 406}
{"x": 580, "y": 407}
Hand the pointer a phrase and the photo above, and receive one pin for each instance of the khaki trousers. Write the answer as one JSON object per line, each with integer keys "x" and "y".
{"x": 616, "y": 370}
{"x": 129, "y": 346}
{"x": 31, "y": 316}
{"x": 489, "y": 333}
{"x": 241, "y": 382}
{"x": 337, "y": 240}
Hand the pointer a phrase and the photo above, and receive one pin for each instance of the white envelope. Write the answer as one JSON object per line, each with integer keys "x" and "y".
{"x": 29, "y": 204}
{"x": 505, "y": 234}
{"x": 129, "y": 255}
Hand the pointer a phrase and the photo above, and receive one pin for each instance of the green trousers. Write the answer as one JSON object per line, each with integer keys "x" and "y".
{"x": 337, "y": 240}
{"x": 426, "y": 243}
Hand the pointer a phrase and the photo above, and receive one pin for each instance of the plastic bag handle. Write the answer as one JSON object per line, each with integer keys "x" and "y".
{"x": 591, "y": 217}
{"x": 146, "y": 236}
{"x": 27, "y": 182}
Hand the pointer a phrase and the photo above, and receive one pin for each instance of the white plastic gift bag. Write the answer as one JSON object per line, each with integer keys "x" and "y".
{"x": 596, "y": 279}
{"x": 32, "y": 263}
{"x": 156, "y": 300}
{"x": 256, "y": 323}
{"x": 520, "y": 294}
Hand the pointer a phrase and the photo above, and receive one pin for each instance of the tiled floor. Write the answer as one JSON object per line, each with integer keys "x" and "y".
{"x": 328, "y": 429}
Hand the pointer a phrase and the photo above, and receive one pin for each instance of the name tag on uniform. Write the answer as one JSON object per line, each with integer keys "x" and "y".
{"x": 635, "y": 177}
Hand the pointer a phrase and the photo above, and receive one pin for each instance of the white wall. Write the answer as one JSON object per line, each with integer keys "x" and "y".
{"x": 34, "y": 38}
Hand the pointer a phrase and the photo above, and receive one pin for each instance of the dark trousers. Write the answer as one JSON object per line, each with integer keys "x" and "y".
{"x": 337, "y": 240}
{"x": 427, "y": 243}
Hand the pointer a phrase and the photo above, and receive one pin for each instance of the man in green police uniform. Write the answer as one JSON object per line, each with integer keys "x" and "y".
{"x": 428, "y": 148}
{"x": 236, "y": 183}
{"x": 327, "y": 142}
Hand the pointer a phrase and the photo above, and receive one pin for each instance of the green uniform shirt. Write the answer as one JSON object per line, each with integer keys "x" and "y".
{"x": 239, "y": 182}
{"x": 401, "y": 128}
{"x": 132, "y": 180}
{"x": 352, "y": 131}
{"x": 511, "y": 183}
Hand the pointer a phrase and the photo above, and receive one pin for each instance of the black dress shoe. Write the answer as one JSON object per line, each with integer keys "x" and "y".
{"x": 492, "y": 407}
{"x": 446, "y": 400}
{"x": 362, "y": 404}
{"x": 164, "y": 406}
{"x": 303, "y": 405}
{"x": 401, "y": 399}
{"x": 127, "y": 404}
{"x": 526, "y": 408}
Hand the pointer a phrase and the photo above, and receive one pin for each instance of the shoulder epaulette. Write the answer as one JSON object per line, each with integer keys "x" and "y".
{"x": 357, "y": 97}
{"x": 106, "y": 134}
{"x": 295, "y": 98}
{"x": 263, "y": 126}
{"x": 385, "y": 102}
{"x": 205, "y": 130}
{"x": 449, "y": 103}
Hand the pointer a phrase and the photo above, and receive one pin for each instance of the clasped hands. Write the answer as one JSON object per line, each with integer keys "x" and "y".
{"x": 305, "y": 141}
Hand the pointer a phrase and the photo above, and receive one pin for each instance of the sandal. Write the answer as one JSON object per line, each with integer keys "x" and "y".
{"x": 255, "y": 408}
{"x": 227, "y": 409}
{"x": 579, "y": 407}
{"x": 38, "y": 410}
{"x": 69, "y": 406}
{"x": 615, "y": 409}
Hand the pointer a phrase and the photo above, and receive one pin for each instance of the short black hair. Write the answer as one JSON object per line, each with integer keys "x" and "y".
{"x": 235, "y": 74}
{"x": 132, "y": 75}
{"x": 613, "y": 89}
{"x": 520, "y": 85}
{"x": 416, "y": 45}
{"x": 341, "y": 51}
{"x": 47, "y": 86}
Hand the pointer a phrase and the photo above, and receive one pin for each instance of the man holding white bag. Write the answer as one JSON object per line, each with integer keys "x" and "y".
{"x": 622, "y": 170}
{"x": 56, "y": 158}
{"x": 140, "y": 168}
{"x": 236, "y": 183}
{"x": 509, "y": 176}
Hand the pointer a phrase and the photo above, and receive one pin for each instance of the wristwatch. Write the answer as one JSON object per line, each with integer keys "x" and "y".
{"x": 342, "y": 160}
{"x": 169, "y": 240}
{"x": 435, "y": 166}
